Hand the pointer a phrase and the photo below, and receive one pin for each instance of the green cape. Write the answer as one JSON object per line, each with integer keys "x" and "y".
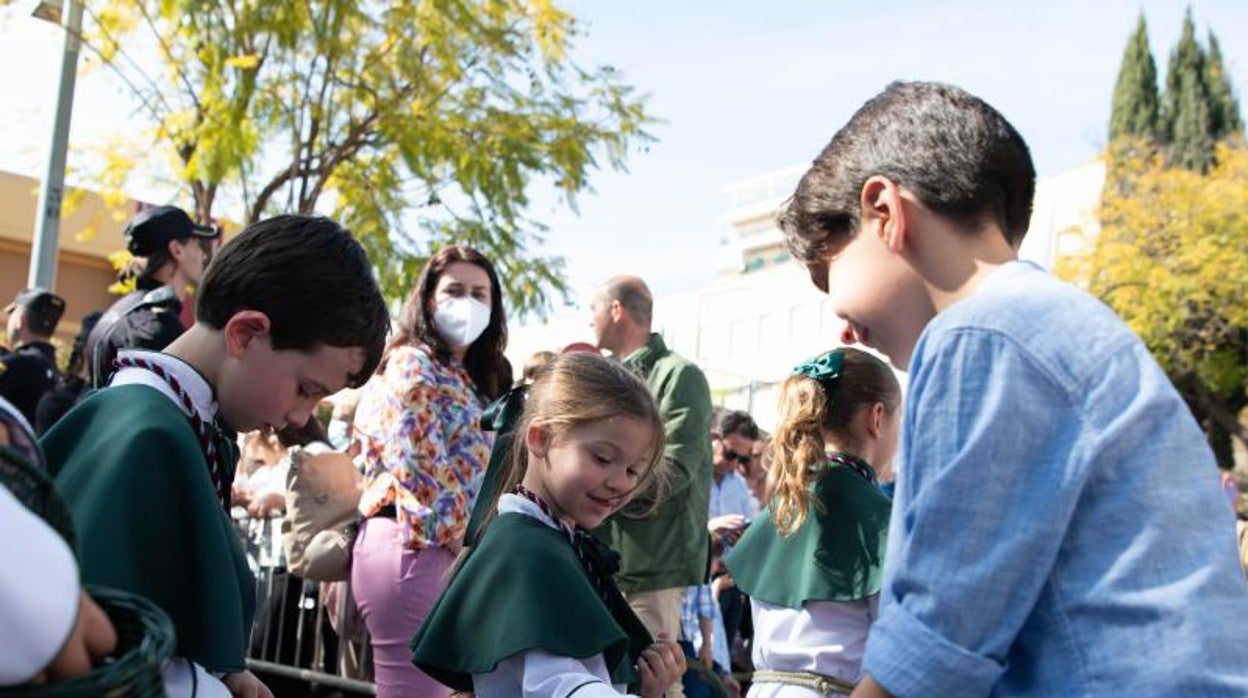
{"x": 520, "y": 588}
{"x": 837, "y": 554}
{"x": 148, "y": 520}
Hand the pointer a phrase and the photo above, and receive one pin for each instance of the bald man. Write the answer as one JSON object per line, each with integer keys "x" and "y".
{"x": 666, "y": 551}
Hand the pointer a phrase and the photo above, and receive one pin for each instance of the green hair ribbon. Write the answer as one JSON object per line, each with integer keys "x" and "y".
{"x": 824, "y": 367}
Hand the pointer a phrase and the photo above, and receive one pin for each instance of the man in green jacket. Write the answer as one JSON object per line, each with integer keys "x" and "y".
{"x": 666, "y": 550}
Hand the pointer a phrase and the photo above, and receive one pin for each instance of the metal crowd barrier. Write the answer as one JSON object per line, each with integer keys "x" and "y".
{"x": 295, "y": 637}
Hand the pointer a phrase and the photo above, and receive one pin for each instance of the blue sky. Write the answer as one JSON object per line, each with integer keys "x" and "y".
{"x": 749, "y": 87}
{"x": 745, "y": 88}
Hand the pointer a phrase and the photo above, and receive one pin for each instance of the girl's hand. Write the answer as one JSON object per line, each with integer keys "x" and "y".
{"x": 661, "y": 665}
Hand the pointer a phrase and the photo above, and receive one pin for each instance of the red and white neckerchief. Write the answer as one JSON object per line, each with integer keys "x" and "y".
{"x": 207, "y": 431}
{"x": 530, "y": 495}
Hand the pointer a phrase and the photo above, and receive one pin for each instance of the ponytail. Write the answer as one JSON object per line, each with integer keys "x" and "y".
{"x": 819, "y": 400}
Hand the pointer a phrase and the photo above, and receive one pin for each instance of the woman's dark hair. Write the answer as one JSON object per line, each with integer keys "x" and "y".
{"x": 143, "y": 270}
{"x": 489, "y": 369}
{"x": 78, "y": 354}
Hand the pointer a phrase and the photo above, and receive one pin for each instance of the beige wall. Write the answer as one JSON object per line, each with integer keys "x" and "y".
{"x": 88, "y": 234}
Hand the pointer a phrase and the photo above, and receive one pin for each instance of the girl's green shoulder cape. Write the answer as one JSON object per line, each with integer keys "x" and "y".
{"x": 523, "y": 588}
{"x": 837, "y": 554}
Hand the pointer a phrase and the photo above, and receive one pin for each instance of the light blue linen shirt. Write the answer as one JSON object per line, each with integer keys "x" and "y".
{"x": 1058, "y": 528}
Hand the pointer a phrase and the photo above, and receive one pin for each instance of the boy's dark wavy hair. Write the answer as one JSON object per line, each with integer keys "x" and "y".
{"x": 956, "y": 153}
{"x": 310, "y": 277}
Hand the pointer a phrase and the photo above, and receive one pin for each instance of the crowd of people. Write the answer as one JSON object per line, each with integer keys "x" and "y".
{"x": 598, "y": 527}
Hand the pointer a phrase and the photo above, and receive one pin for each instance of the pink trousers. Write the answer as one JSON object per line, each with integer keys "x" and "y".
{"x": 395, "y": 589}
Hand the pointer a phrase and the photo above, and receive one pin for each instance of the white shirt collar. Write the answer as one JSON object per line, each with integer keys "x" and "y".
{"x": 192, "y": 382}
{"x": 515, "y": 504}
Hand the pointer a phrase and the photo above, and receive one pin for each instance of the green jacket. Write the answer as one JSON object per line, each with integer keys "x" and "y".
{"x": 148, "y": 520}
{"x": 669, "y": 547}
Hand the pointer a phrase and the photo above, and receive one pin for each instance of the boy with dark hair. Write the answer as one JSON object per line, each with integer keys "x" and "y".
{"x": 1056, "y": 528}
{"x": 289, "y": 313}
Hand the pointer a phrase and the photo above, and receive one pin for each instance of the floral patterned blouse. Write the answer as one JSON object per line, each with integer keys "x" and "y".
{"x": 421, "y": 447}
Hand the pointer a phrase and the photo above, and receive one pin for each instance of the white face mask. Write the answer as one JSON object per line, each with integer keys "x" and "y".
{"x": 339, "y": 433}
{"x": 461, "y": 320}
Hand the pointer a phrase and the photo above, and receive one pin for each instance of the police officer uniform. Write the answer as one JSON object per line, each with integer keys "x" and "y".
{"x": 149, "y": 318}
{"x": 29, "y": 370}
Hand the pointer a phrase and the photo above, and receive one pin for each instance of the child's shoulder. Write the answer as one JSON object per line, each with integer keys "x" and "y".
{"x": 135, "y": 424}
{"x": 1060, "y": 328}
{"x": 522, "y": 543}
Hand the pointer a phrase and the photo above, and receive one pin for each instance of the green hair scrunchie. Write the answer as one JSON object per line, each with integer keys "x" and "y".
{"x": 825, "y": 367}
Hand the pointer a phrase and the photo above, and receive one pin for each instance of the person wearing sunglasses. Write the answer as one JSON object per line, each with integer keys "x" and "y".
{"x": 732, "y": 450}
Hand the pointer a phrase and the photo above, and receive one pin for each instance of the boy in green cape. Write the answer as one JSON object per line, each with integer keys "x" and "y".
{"x": 288, "y": 313}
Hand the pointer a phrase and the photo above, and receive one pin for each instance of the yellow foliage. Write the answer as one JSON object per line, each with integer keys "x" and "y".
{"x": 1172, "y": 260}
{"x": 120, "y": 259}
{"x": 71, "y": 200}
{"x": 551, "y": 26}
{"x": 245, "y": 62}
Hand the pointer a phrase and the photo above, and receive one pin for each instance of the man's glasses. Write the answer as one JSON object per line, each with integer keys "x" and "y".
{"x": 742, "y": 458}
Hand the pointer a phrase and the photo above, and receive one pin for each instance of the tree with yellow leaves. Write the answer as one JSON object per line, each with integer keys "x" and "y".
{"x": 414, "y": 122}
{"x": 1172, "y": 260}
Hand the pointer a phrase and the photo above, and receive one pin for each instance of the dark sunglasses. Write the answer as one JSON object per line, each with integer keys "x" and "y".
{"x": 742, "y": 458}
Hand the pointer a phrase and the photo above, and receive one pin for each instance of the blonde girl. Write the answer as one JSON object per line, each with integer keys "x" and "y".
{"x": 532, "y": 609}
{"x": 812, "y": 562}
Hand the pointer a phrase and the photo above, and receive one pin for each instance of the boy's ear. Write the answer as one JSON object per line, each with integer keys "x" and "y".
{"x": 883, "y": 212}
{"x": 537, "y": 440}
{"x": 243, "y": 328}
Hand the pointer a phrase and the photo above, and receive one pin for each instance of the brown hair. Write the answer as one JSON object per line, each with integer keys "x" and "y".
{"x": 489, "y": 369}
{"x": 576, "y": 389}
{"x": 537, "y": 361}
{"x": 811, "y": 408}
{"x": 958, "y": 155}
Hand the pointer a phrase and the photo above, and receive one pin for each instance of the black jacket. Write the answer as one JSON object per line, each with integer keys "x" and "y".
{"x": 141, "y": 320}
{"x": 26, "y": 373}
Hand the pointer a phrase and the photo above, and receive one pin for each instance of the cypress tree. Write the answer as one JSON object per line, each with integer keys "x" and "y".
{"x": 1136, "y": 108}
{"x": 1226, "y": 118}
{"x": 1188, "y": 114}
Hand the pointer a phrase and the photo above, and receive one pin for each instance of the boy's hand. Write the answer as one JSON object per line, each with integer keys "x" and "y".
{"x": 661, "y": 665}
{"x": 244, "y": 684}
{"x": 868, "y": 688}
{"x": 90, "y": 641}
{"x": 705, "y": 654}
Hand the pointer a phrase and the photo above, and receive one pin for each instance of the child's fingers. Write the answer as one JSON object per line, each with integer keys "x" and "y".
{"x": 665, "y": 657}
{"x": 643, "y": 666}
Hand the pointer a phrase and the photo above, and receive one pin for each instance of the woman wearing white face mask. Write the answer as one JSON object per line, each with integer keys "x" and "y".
{"x": 417, "y": 430}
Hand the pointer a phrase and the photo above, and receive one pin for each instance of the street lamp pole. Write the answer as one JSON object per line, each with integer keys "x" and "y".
{"x": 48, "y": 212}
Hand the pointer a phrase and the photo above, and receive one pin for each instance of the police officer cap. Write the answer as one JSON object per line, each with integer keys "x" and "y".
{"x": 43, "y": 309}
{"x": 154, "y": 227}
